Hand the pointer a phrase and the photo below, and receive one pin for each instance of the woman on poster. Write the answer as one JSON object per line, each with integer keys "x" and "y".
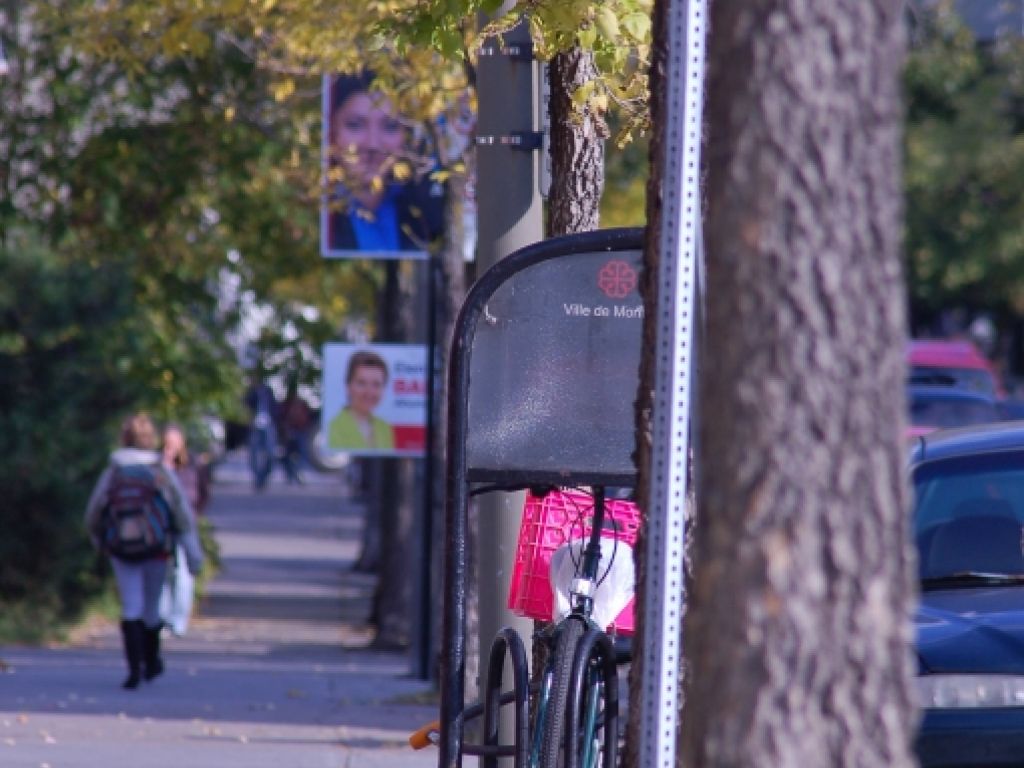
{"x": 372, "y": 209}
{"x": 356, "y": 428}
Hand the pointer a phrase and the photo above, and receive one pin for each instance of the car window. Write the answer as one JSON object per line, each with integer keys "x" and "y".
{"x": 968, "y": 514}
{"x": 970, "y": 379}
{"x": 950, "y": 412}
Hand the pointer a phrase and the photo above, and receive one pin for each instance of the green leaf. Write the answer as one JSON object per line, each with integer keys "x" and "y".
{"x": 637, "y": 26}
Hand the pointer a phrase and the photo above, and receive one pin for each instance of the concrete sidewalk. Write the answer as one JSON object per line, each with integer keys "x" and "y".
{"x": 276, "y": 670}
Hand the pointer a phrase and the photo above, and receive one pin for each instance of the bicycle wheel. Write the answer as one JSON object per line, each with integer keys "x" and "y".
{"x": 569, "y": 637}
{"x": 592, "y": 708}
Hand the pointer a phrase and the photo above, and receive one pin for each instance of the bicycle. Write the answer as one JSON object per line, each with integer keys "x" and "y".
{"x": 576, "y": 712}
{"x": 578, "y": 697}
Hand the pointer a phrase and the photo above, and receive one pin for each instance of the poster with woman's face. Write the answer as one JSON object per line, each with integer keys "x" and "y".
{"x": 381, "y": 199}
{"x": 375, "y": 399}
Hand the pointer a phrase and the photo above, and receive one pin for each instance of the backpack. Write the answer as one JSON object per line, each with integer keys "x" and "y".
{"x": 136, "y": 521}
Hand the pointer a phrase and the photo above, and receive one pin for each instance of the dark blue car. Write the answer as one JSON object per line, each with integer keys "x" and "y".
{"x": 937, "y": 407}
{"x": 969, "y": 511}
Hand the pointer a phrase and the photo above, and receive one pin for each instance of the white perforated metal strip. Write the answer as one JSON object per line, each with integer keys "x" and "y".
{"x": 679, "y": 243}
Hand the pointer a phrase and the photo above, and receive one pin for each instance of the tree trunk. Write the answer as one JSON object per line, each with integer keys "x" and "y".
{"x": 798, "y": 627}
{"x": 393, "y": 608}
{"x": 577, "y": 148}
{"x": 395, "y": 508}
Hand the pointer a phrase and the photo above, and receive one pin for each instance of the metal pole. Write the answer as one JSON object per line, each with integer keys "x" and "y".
{"x": 509, "y": 217}
{"x": 679, "y": 244}
{"x": 423, "y": 651}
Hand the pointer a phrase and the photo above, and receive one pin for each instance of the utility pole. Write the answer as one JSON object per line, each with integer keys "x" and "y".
{"x": 509, "y": 214}
{"x": 679, "y": 243}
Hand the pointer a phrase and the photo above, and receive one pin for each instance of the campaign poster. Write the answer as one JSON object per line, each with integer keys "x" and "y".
{"x": 375, "y": 399}
{"x": 382, "y": 198}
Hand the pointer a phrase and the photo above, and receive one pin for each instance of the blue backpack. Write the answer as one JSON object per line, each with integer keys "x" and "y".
{"x": 136, "y": 521}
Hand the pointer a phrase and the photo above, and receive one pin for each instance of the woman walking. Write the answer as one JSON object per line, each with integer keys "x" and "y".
{"x": 136, "y": 513}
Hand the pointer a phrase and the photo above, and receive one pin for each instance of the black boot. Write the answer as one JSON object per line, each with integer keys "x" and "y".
{"x": 131, "y": 634}
{"x": 153, "y": 665}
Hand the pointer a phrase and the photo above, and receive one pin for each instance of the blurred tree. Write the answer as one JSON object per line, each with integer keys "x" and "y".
{"x": 177, "y": 190}
{"x": 190, "y": 177}
{"x": 61, "y": 347}
{"x": 801, "y": 531}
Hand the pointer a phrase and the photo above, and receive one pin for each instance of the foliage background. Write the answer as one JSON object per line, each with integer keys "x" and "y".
{"x": 964, "y": 182}
{"x": 152, "y": 219}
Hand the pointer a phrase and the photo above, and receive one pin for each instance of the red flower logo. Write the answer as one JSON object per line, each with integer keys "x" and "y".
{"x": 617, "y": 279}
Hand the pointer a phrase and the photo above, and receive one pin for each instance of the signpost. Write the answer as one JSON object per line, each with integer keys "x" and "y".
{"x": 509, "y": 206}
{"x": 679, "y": 246}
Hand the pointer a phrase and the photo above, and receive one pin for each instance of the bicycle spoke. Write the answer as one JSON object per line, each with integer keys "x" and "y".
{"x": 589, "y": 734}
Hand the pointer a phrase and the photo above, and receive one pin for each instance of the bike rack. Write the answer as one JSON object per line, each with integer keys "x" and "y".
{"x": 553, "y": 320}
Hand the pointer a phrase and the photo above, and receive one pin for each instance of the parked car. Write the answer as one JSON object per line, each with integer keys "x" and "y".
{"x": 969, "y": 530}
{"x": 937, "y": 407}
{"x": 1011, "y": 408}
{"x": 952, "y": 363}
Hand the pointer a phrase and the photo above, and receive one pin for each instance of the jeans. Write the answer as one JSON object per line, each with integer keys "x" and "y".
{"x": 295, "y": 454}
{"x": 261, "y": 455}
{"x": 139, "y": 585}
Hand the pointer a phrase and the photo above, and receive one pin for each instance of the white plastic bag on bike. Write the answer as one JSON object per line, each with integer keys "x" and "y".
{"x": 615, "y": 576}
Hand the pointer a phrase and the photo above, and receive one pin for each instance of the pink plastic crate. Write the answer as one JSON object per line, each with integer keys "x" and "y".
{"x": 549, "y": 522}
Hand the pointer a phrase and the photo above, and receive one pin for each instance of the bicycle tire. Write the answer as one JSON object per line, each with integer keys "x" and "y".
{"x": 569, "y": 637}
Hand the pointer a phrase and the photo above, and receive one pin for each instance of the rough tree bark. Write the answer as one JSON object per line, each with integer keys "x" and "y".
{"x": 797, "y": 632}
{"x": 577, "y": 148}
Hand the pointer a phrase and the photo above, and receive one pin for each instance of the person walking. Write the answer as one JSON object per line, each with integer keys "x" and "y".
{"x": 179, "y": 587}
{"x": 136, "y": 512}
{"x": 176, "y": 457}
{"x": 260, "y": 401}
{"x": 296, "y": 417}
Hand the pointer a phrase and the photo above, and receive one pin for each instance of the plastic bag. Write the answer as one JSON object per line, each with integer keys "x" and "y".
{"x": 176, "y": 597}
{"x": 615, "y": 576}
